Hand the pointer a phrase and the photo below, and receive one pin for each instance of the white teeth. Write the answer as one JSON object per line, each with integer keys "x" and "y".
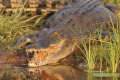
{"x": 36, "y": 50}
{"x": 32, "y": 65}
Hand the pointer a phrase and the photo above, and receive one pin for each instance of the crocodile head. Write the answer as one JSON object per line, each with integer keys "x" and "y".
{"x": 49, "y": 49}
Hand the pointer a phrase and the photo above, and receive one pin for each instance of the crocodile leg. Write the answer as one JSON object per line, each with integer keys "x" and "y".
{"x": 104, "y": 35}
{"x": 113, "y": 8}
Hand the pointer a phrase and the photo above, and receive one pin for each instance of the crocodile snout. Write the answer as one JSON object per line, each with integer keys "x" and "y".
{"x": 38, "y": 56}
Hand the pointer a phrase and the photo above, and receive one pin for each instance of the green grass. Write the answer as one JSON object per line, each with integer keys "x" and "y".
{"x": 89, "y": 53}
{"x": 112, "y": 51}
{"x": 105, "y": 53}
{"x": 14, "y": 74}
{"x": 117, "y": 2}
{"x": 12, "y": 27}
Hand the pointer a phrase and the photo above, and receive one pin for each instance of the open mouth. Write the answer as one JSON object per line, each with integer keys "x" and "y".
{"x": 38, "y": 56}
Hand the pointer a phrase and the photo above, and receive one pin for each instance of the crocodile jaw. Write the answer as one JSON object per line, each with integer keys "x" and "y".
{"x": 38, "y": 56}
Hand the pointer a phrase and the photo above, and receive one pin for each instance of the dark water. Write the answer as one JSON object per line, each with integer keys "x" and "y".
{"x": 58, "y": 72}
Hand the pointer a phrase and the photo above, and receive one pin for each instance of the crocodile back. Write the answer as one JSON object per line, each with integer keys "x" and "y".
{"x": 43, "y": 6}
{"x": 85, "y": 16}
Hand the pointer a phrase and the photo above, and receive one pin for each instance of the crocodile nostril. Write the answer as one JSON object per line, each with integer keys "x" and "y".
{"x": 30, "y": 59}
{"x": 37, "y": 52}
{"x": 31, "y": 54}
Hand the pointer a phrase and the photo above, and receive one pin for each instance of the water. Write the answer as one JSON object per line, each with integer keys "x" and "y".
{"x": 53, "y": 72}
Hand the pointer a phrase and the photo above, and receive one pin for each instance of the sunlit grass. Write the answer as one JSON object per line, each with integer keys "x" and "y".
{"x": 117, "y": 2}
{"x": 112, "y": 52}
{"x": 89, "y": 53}
{"x": 106, "y": 52}
{"x": 14, "y": 26}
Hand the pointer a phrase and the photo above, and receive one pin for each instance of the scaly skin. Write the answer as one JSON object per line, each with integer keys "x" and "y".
{"x": 66, "y": 29}
{"x": 30, "y": 38}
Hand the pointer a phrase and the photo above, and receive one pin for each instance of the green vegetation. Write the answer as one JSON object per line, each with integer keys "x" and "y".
{"x": 13, "y": 75}
{"x": 106, "y": 53}
{"x": 117, "y": 2}
{"x": 89, "y": 53}
{"x": 14, "y": 26}
{"x": 104, "y": 56}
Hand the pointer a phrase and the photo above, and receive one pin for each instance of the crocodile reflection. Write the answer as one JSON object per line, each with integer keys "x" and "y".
{"x": 58, "y": 72}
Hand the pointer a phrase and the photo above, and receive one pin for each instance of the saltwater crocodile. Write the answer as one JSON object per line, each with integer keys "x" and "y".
{"x": 66, "y": 29}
